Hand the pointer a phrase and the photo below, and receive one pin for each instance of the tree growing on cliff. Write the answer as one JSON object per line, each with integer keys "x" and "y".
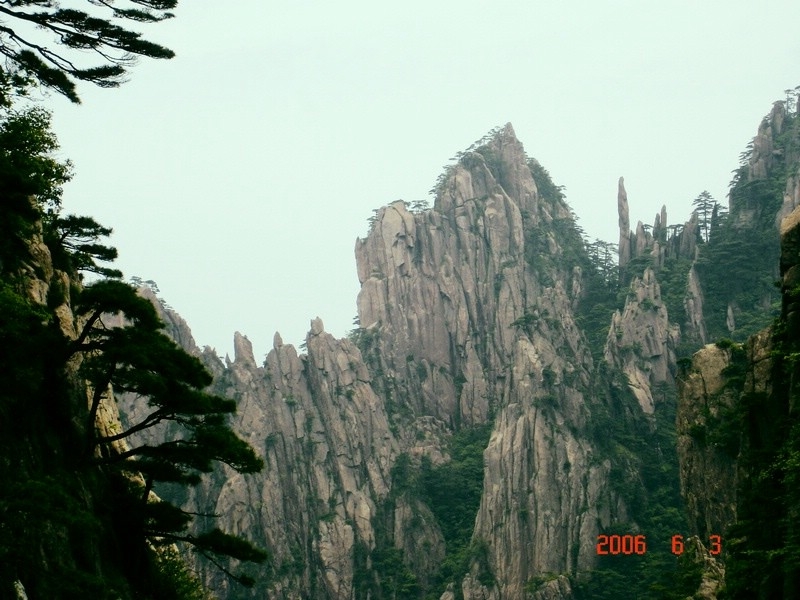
{"x": 137, "y": 358}
{"x": 57, "y": 63}
{"x": 30, "y": 179}
{"x": 704, "y": 206}
{"x": 97, "y": 489}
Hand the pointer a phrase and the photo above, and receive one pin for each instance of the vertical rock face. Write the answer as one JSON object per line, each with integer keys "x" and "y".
{"x": 459, "y": 291}
{"x": 543, "y": 500}
{"x": 763, "y": 153}
{"x": 736, "y": 414}
{"x": 693, "y": 304}
{"x": 174, "y": 325}
{"x": 791, "y": 194}
{"x": 708, "y": 472}
{"x": 442, "y": 290}
{"x": 641, "y": 341}
{"x": 467, "y": 317}
{"x": 328, "y": 448}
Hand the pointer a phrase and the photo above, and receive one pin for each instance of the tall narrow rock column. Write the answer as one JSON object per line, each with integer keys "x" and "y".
{"x": 624, "y": 225}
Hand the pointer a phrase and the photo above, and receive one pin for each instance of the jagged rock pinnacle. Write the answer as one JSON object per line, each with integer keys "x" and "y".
{"x": 317, "y": 327}
{"x": 243, "y": 350}
{"x": 508, "y": 131}
{"x": 624, "y": 224}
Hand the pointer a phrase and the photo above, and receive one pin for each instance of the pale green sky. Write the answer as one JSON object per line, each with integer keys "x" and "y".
{"x": 239, "y": 174}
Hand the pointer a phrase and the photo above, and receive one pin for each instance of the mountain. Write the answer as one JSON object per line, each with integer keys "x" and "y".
{"x": 520, "y": 413}
{"x": 508, "y": 396}
{"x": 78, "y": 517}
{"x": 737, "y": 419}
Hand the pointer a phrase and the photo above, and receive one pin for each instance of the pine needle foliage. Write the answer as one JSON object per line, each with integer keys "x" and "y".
{"x": 77, "y": 519}
{"x": 47, "y": 45}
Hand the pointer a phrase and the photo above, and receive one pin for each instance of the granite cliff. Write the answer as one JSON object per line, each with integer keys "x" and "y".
{"x": 736, "y": 421}
{"x": 507, "y": 396}
{"x": 502, "y": 423}
{"x": 469, "y": 318}
{"x": 67, "y": 528}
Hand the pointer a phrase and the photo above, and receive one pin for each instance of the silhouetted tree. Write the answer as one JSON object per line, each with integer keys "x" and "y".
{"x": 30, "y": 180}
{"x": 139, "y": 359}
{"x": 73, "y": 241}
{"x": 76, "y": 34}
{"x": 119, "y": 346}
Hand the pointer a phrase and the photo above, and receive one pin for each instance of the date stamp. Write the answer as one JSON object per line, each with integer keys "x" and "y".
{"x": 628, "y": 544}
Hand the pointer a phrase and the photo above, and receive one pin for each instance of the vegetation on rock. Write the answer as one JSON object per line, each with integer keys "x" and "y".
{"x": 76, "y": 515}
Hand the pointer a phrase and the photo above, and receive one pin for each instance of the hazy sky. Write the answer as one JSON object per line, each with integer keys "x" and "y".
{"x": 239, "y": 174}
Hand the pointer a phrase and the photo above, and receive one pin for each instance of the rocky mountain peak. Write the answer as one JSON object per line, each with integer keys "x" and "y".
{"x": 443, "y": 288}
{"x": 624, "y": 224}
{"x": 243, "y": 350}
{"x": 764, "y": 151}
{"x": 471, "y": 319}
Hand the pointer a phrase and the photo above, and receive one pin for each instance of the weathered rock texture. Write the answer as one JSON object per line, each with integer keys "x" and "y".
{"x": 328, "y": 448}
{"x": 641, "y": 340}
{"x": 708, "y": 470}
{"x": 441, "y": 289}
{"x": 624, "y": 224}
{"x": 734, "y": 406}
{"x": 467, "y": 316}
{"x": 765, "y": 189}
{"x": 453, "y": 290}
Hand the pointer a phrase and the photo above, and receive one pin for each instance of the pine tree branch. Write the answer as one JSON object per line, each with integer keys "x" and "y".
{"x": 149, "y": 421}
{"x": 97, "y": 397}
{"x": 77, "y": 345}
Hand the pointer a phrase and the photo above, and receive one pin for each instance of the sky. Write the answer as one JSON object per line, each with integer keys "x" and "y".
{"x": 239, "y": 174}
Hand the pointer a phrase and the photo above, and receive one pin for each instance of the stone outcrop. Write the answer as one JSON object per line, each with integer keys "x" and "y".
{"x": 641, "y": 341}
{"x": 766, "y": 154}
{"x": 693, "y": 305}
{"x": 467, "y": 316}
{"x": 763, "y": 145}
{"x": 624, "y": 224}
{"x": 772, "y": 160}
{"x": 453, "y": 290}
{"x": 791, "y": 195}
{"x": 712, "y": 578}
{"x": 733, "y": 401}
{"x": 707, "y": 469}
{"x": 441, "y": 290}
{"x": 329, "y": 449}
{"x": 709, "y": 396}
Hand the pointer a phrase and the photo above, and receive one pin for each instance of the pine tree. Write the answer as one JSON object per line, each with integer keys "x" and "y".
{"x": 704, "y": 207}
{"x": 76, "y": 34}
{"x": 119, "y": 345}
{"x": 74, "y": 244}
{"x": 140, "y": 360}
{"x": 30, "y": 179}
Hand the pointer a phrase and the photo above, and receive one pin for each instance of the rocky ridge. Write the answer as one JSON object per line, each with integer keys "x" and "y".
{"x": 735, "y": 405}
{"x": 734, "y": 402}
{"x": 470, "y": 314}
{"x": 467, "y": 317}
